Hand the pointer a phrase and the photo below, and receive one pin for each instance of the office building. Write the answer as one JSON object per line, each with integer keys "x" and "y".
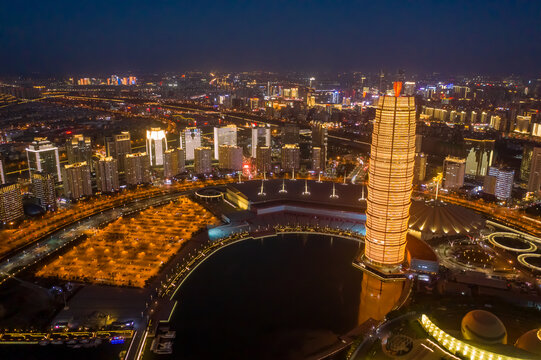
{"x": 173, "y": 163}
{"x": 479, "y": 156}
{"x": 77, "y": 183}
{"x": 43, "y": 157}
{"x": 290, "y": 157}
{"x": 392, "y": 160}
{"x": 534, "y": 178}
{"x": 526, "y": 163}
{"x": 263, "y": 159}
{"x": 320, "y": 139}
{"x": 499, "y": 182}
{"x": 203, "y": 160}
{"x": 79, "y": 149}
{"x": 156, "y": 146}
{"x": 117, "y": 147}
{"x": 11, "y": 203}
{"x": 43, "y": 188}
{"x": 261, "y": 136}
{"x": 454, "y": 170}
{"x": 137, "y": 169}
{"x": 107, "y": 175}
{"x": 290, "y": 134}
{"x": 190, "y": 139}
{"x": 419, "y": 170}
{"x": 409, "y": 88}
{"x": 230, "y": 157}
{"x": 2, "y": 171}
{"x": 226, "y": 135}
{"x": 316, "y": 159}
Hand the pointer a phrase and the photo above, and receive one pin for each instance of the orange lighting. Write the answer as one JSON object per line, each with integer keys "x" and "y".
{"x": 390, "y": 179}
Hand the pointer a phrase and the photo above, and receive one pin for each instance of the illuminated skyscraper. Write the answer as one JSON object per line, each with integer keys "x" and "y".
{"x": 534, "y": 177}
{"x": 479, "y": 156}
{"x": 290, "y": 157}
{"x": 190, "y": 139}
{"x": 137, "y": 169}
{"x": 263, "y": 159}
{"x": 11, "y": 203}
{"x": 320, "y": 139}
{"x": 2, "y": 171}
{"x": 499, "y": 182}
{"x": 79, "y": 149}
{"x": 43, "y": 189}
{"x": 290, "y": 134}
{"x": 202, "y": 160}
{"x": 77, "y": 182}
{"x": 156, "y": 146}
{"x": 261, "y": 136}
{"x": 173, "y": 163}
{"x": 226, "y": 135}
{"x": 230, "y": 157}
{"x": 118, "y": 147}
{"x": 42, "y": 156}
{"x": 392, "y": 159}
{"x": 107, "y": 174}
{"x": 453, "y": 172}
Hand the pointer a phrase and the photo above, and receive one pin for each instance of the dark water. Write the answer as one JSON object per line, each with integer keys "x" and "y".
{"x": 283, "y": 298}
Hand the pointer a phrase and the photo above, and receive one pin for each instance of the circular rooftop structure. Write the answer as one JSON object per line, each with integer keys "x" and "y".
{"x": 532, "y": 261}
{"x": 483, "y": 327}
{"x": 511, "y": 242}
{"x": 434, "y": 219}
{"x": 209, "y": 194}
{"x": 530, "y": 342}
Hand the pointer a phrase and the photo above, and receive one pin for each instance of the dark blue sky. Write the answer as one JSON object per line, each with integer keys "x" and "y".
{"x": 62, "y": 37}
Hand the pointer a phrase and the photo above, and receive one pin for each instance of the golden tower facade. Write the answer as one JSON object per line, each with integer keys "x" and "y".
{"x": 392, "y": 160}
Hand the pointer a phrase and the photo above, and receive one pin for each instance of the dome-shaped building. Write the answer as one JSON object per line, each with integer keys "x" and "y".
{"x": 434, "y": 218}
{"x": 530, "y": 342}
{"x": 483, "y": 327}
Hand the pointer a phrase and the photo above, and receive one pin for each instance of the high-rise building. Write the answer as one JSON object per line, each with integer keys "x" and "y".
{"x": 261, "y": 136}
{"x": 190, "y": 139}
{"x": 453, "y": 172}
{"x": 2, "y": 171}
{"x": 79, "y": 149}
{"x": 230, "y": 157}
{"x": 419, "y": 170}
{"x": 226, "y": 135}
{"x": 392, "y": 160}
{"x": 173, "y": 163}
{"x": 499, "y": 182}
{"x": 479, "y": 156}
{"x": 77, "y": 183}
{"x": 418, "y": 143}
{"x": 316, "y": 158}
{"x": 11, "y": 203}
{"x": 202, "y": 160}
{"x": 290, "y": 157}
{"x": 534, "y": 179}
{"x": 409, "y": 88}
{"x": 118, "y": 146}
{"x": 107, "y": 174}
{"x": 319, "y": 139}
{"x": 290, "y": 134}
{"x": 526, "y": 163}
{"x": 42, "y": 156}
{"x": 137, "y": 168}
{"x": 263, "y": 159}
{"x": 44, "y": 190}
{"x": 156, "y": 146}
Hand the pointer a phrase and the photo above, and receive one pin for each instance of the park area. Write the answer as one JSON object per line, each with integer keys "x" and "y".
{"x": 129, "y": 251}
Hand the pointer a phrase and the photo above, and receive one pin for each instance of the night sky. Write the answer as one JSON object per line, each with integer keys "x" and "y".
{"x": 101, "y": 37}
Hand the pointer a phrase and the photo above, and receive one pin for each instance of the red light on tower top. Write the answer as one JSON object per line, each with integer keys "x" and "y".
{"x": 397, "y": 88}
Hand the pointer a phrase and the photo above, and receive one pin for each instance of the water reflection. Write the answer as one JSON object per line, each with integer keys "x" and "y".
{"x": 378, "y": 297}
